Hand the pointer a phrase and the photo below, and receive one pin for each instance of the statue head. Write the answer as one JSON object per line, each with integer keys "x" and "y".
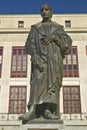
{"x": 46, "y": 12}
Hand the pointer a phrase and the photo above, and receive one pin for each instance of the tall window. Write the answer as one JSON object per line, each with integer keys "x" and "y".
{"x": 71, "y": 64}
{"x": 1, "y": 58}
{"x": 19, "y": 62}
{"x": 71, "y": 99}
{"x": 17, "y": 99}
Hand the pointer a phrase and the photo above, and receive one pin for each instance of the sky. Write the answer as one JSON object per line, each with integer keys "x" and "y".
{"x": 33, "y": 6}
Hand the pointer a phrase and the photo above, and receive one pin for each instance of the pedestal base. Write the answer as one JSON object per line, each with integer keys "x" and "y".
{"x": 44, "y": 124}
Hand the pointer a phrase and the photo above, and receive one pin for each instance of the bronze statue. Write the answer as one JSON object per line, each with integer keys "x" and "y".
{"x": 47, "y": 43}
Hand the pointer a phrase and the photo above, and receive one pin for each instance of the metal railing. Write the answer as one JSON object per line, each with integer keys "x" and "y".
{"x": 14, "y": 117}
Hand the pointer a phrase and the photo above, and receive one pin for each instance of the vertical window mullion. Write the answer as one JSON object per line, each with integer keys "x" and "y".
{"x": 17, "y": 63}
{"x": 18, "y": 99}
{"x": 66, "y": 66}
{"x": 22, "y": 63}
{"x": 1, "y": 59}
{"x": 71, "y": 97}
{"x": 77, "y": 63}
{"x": 72, "y": 71}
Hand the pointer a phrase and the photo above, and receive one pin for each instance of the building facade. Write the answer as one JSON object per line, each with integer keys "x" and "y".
{"x": 15, "y": 66}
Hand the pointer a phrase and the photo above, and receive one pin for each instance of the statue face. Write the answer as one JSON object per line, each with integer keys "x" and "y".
{"x": 46, "y": 12}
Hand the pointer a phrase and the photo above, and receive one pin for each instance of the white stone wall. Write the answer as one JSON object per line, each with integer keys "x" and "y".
{"x": 8, "y": 41}
{"x": 11, "y": 36}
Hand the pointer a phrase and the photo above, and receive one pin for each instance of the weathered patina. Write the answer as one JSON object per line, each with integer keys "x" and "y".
{"x": 47, "y": 43}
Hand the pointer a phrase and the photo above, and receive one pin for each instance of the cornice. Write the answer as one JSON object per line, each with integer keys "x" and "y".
{"x": 26, "y": 30}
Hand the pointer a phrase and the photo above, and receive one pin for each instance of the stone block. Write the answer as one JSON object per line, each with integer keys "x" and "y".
{"x": 43, "y": 124}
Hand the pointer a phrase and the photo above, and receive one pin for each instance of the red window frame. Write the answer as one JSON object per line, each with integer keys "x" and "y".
{"x": 1, "y": 60}
{"x": 17, "y": 99}
{"x": 18, "y": 63}
{"x": 70, "y": 63}
{"x": 71, "y": 100}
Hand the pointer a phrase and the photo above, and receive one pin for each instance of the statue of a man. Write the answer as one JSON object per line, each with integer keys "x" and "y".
{"x": 47, "y": 43}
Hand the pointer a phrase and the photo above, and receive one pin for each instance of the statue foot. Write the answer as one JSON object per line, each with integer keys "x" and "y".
{"x": 24, "y": 116}
{"x": 49, "y": 115}
{"x": 28, "y": 116}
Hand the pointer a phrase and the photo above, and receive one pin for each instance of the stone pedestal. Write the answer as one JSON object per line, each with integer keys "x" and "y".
{"x": 43, "y": 124}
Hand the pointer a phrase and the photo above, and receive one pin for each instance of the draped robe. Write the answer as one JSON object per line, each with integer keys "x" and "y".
{"x": 46, "y": 76}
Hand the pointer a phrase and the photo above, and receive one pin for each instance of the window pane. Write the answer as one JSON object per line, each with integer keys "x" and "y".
{"x": 1, "y": 51}
{"x": 19, "y": 57}
{"x": 75, "y": 67}
{"x": 13, "y": 68}
{"x": 14, "y": 52}
{"x": 19, "y": 62}
{"x": 24, "y": 57}
{"x": 24, "y": 68}
{"x": 17, "y": 101}
{"x": 64, "y": 61}
{"x": 19, "y": 51}
{"x": 14, "y": 58}
{"x": 66, "y": 90}
{"x": 14, "y": 63}
{"x": 0, "y": 58}
{"x": 71, "y": 65}
{"x": 71, "y": 99}
{"x": 74, "y": 51}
